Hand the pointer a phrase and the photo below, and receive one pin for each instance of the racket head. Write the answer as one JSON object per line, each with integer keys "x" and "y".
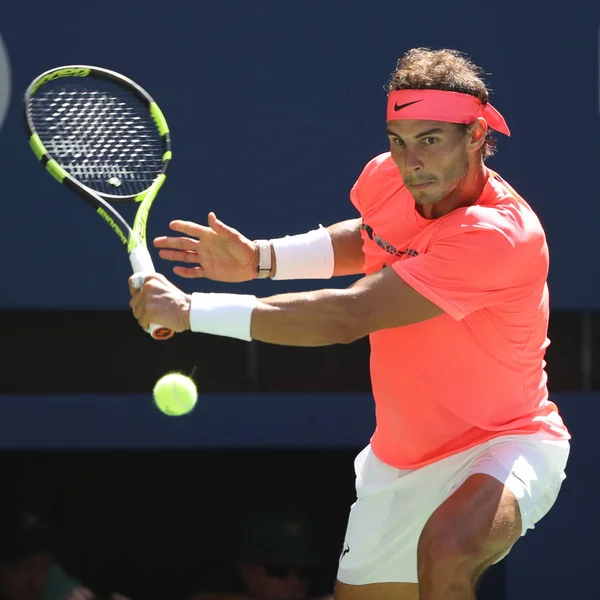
{"x": 98, "y": 132}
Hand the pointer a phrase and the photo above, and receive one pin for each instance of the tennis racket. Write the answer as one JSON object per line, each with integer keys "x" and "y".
{"x": 104, "y": 137}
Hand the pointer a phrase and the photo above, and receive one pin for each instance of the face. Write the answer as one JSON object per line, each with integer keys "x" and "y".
{"x": 25, "y": 579}
{"x": 434, "y": 158}
{"x": 275, "y": 583}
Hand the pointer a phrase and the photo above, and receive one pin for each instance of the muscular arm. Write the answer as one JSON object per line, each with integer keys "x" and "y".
{"x": 381, "y": 300}
{"x": 347, "y": 248}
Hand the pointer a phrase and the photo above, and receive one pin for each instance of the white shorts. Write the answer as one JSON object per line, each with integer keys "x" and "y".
{"x": 393, "y": 505}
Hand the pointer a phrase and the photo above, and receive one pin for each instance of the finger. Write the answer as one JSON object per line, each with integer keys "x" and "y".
{"x": 135, "y": 303}
{"x": 148, "y": 277}
{"x": 175, "y": 243}
{"x": 219, "y": 227}
{"x": 141, "y": 315}
{"x": 133, "y": 287}
{"x": 179, "y": 256}
{"x": 189, "y": 272}
{"x": 189, "y": 228}
{"x": 137, "y": 281}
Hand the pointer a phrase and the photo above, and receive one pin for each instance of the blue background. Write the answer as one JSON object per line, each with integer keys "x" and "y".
{"x": 276, "y": 106}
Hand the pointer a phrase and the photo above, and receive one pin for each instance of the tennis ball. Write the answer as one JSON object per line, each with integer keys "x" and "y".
{"x": 175, "y": 394}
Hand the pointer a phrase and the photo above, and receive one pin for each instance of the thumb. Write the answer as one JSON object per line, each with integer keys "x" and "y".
{"x": 221, "y": 229}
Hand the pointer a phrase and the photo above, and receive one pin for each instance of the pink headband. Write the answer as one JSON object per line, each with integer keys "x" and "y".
{"x": 439, "y": 105}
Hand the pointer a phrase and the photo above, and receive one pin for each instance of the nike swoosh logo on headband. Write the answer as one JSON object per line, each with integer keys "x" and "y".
{"x": 401, "y": 106}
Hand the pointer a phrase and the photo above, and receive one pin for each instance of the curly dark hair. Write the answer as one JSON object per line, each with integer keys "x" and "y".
{"x": 449, "y": 70}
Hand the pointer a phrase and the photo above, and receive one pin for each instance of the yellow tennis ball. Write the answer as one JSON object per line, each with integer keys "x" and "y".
{"x": 175, "y": 394}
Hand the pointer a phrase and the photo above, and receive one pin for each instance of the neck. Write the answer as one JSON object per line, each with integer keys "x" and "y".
{"x": 466, "y": 193}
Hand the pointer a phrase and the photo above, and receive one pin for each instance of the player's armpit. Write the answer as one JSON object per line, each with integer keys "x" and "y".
{"x": 383, "y": 300}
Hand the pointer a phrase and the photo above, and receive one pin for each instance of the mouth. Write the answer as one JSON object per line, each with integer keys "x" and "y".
{"x": 420, "y": 186}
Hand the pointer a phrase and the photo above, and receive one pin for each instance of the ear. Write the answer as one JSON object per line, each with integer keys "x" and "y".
{"x": 477, "y": 130}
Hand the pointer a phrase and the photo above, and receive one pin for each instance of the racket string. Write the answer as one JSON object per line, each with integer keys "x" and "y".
{"x": 105, "y": 138}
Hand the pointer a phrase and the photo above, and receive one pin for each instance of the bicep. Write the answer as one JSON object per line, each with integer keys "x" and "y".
{"x": 347, "y": 247}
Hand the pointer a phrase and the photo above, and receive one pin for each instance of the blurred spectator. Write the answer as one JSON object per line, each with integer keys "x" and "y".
{"x": 28, "y": 567}
{"x": 277, "y": 556}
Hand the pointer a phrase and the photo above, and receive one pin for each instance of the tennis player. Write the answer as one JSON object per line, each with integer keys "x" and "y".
{"x": 469, "y": 453}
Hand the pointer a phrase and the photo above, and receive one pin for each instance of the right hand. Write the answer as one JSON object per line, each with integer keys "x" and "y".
{"x": 219, "y": 252}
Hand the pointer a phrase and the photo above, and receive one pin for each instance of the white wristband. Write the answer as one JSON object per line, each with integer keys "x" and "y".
{"x": 304, "y": 256}
{"x": 228, "y": 315}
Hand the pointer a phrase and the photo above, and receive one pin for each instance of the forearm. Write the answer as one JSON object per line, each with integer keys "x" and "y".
{"x": 375, "y": 302}
{"x": 319, "y": 318}
{"x": 346, "y": 241}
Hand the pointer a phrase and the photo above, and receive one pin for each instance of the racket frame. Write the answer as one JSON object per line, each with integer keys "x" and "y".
{"x": 133, "y": 237}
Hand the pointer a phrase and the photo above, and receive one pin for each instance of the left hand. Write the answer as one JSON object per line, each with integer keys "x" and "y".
{"x": 160, "y": 302}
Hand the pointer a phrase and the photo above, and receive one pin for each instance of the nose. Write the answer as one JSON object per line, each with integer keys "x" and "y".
{"x": 412, "y": 162}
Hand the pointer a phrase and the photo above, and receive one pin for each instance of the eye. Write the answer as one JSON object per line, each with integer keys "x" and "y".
{"x": 430, "y": 141}
{"x": 398, "y": 142}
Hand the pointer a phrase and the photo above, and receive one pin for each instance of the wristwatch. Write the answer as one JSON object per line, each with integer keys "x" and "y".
{"x": 264, "y": 259}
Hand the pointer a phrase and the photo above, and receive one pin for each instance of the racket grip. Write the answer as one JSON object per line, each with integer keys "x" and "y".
{"x": 142, "y": 265}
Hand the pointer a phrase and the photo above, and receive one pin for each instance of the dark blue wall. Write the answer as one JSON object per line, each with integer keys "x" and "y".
{"x": 276, "y": 106}
{"x": 132, "y": 422}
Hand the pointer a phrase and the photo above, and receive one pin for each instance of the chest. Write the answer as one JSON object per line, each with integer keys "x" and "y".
{"x": 392, "y": 230}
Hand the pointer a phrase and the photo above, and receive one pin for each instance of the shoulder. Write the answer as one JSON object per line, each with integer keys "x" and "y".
{"x": 381, "y": 166}
{"x": 379, "y": 180}
{"x": 502, "y": 217}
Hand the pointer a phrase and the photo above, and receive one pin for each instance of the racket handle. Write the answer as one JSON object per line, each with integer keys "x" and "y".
{"x": 141, "y": 263}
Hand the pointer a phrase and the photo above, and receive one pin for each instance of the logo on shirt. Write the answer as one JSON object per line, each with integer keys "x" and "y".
{"x": 389, "y": 248}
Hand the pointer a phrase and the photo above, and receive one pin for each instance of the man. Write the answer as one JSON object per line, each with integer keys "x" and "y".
{"x": 28, "y": 566}
{"x": 468, "y": 453}
{"x": 277, "y": 556}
